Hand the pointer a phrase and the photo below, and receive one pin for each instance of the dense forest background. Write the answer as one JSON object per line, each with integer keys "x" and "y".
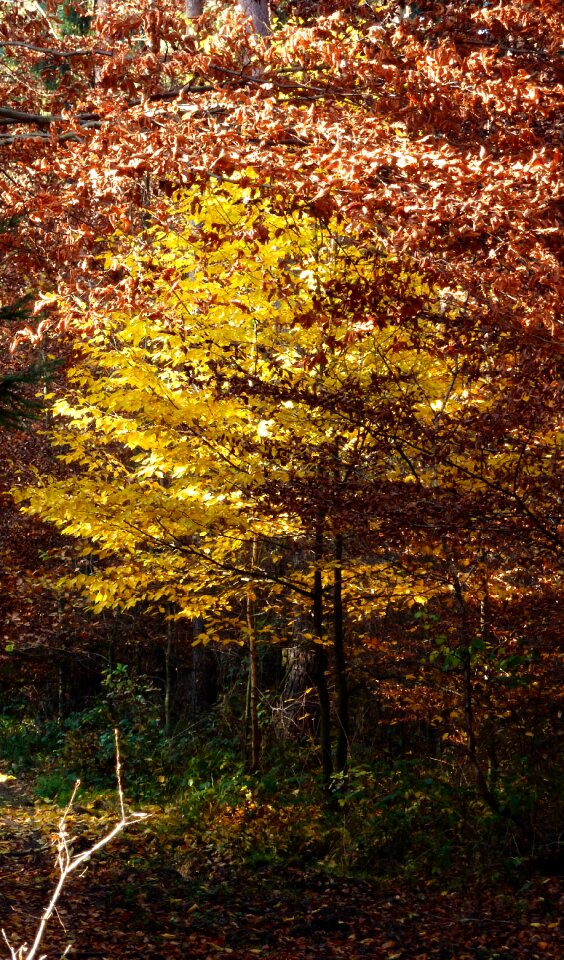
{"x": 280, "y": 470}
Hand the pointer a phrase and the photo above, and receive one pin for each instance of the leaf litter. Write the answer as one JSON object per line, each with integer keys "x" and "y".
{"x": 133, "y": 899}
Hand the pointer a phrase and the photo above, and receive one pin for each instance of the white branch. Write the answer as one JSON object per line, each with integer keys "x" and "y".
{"x": 67, "y": 863}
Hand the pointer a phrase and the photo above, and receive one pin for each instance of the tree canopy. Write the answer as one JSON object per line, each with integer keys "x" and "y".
{"x": 300, "y": 471}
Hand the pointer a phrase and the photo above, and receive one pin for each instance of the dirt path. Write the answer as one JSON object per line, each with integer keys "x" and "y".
{"x": 133, "y": 903}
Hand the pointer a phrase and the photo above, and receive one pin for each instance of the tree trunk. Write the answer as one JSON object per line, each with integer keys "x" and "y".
{"x": 485, "y": 631}
{"x": 320, "y": 666}
{"x": 61, "y": 666}
{"x": 340, "y": 661}
{"x": 204, "y": 673}
{"x": 465, "y": 655}
{"x": 153, "y": 28}
{"x": 101, "y": 10}
{"x": 168, "y": 677}
{"x": 259, "y": 13}
{"x": 298, "y": 710}
{"x": 194, "y": 8}
{"x": 253, "y": 671}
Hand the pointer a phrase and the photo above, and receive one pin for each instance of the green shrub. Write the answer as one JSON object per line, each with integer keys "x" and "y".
{"x": 128, "y": 704}
{"x": 56, "y": 785}
{"x": 26, "y": 742}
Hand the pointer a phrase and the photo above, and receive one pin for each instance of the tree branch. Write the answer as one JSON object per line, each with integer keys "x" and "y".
{"x": 67, "y": 863}
{"x": 50, "y": 52}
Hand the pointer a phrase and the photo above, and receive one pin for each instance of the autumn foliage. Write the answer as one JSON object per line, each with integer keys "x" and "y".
{"x": 308, "y": 291}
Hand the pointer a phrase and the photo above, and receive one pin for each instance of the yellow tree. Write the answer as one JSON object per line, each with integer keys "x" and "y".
{"x": 244, "y": 404}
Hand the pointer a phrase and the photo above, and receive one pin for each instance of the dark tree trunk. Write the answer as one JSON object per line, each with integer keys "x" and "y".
{"x": 320, "y": 666}
{"x": 253, "y": 672}
{"x": 204, "y": 674}
{"x": 465, "y": 655}
{"x": 340, "y": 661}
{"x": 168, "y": 676}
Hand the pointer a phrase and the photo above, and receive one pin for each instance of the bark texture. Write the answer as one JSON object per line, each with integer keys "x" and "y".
{"x": 258, "y": 12}
{"x": 194, "y": 8}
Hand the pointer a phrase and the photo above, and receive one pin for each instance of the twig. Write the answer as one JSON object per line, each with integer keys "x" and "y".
{"x": 118, "y": 775}
{"x": 67, "y": 863}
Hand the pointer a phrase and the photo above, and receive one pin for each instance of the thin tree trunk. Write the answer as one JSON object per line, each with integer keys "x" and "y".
{"x": 168, "y": 677}
{"x": 340, "y": 660}
{"x": 61, "y": 667}
{"x": 466, "y": 660}
{"x": 61, "y": 688}
{"x": 485, "y": 632}
{"x": 253, "y": 670}
{"x": 321, "y": 664}
{"x": 100, "y": 11}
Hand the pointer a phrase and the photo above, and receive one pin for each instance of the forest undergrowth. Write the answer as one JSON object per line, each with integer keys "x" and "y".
{"x": 389, "y": 862}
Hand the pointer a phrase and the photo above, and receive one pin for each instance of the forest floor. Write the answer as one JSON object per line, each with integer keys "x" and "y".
{"x": 135, "y": 900}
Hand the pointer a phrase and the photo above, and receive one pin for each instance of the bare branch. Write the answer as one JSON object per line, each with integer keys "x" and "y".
{"x": 50, "y": 52}
{"x": 67, "y": 863}
{"x": 118, "y": 775}
{"x": 7, "y": 115}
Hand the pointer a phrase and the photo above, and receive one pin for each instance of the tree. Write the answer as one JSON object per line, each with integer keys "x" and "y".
{"x": 233, "y": 393}
{"x": 282, "y": 390}
{"x": 434, "y": 131}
